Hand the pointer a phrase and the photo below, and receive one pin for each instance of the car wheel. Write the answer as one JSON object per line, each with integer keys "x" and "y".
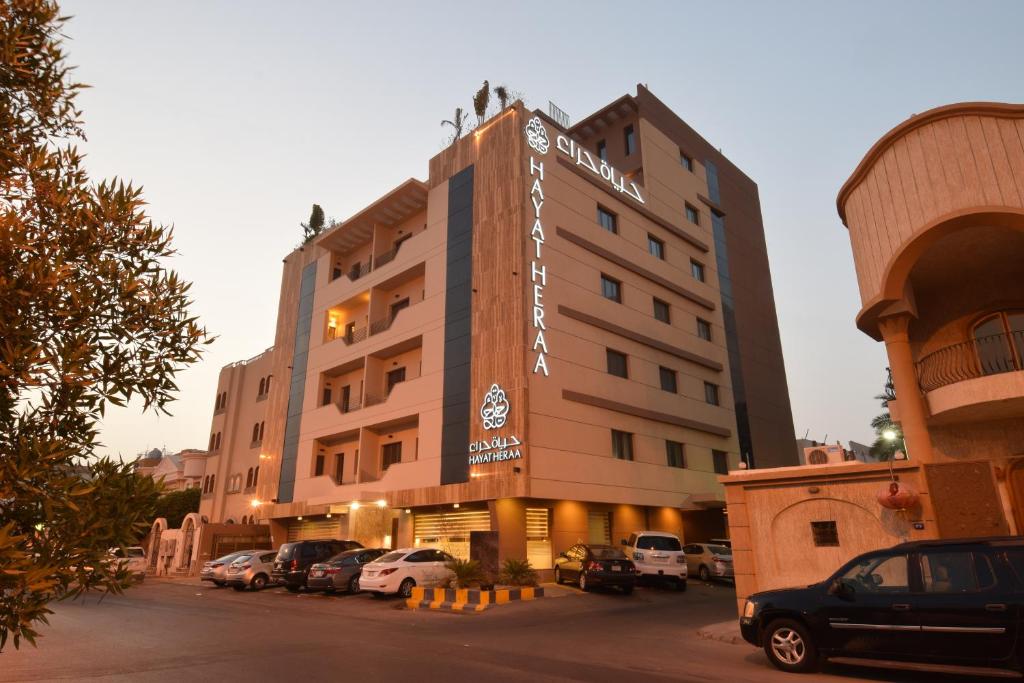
{"x": 353, "y": 584}
{"x": 220, "y": 584}
{"x": 704, "y": 574}
{"x": 789, "y": 647}
{"x": 238, "y": 587}
{"x": 627, "y": 590}
{"x": 293, "y": 588}
{"x": 405, "y": 588}
{"x": 558, "y": 575}
{"x": 582, "y": 582}
{"x": 259, "y": 582}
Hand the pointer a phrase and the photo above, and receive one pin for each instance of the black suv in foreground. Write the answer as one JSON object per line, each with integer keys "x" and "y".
{"x": 291, "y": 566}
{"x": 945, "y": 606}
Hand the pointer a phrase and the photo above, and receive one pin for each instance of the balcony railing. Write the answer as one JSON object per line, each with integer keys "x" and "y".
{"x": 359, "y": 270}
{"x": 978, "y": 357}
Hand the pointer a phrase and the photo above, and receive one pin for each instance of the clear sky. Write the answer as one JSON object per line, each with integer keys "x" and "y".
{"x": 237, "y": 116}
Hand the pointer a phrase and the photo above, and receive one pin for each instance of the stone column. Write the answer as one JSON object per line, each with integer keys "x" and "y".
{"x": 912, "y": 407}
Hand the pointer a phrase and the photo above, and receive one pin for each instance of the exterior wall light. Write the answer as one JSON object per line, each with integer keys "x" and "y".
{"x": 456, "y": 506}
{"x": 382, "y": 503}
{"x": 255, "y": 502}
{"x": 354, "y": 505}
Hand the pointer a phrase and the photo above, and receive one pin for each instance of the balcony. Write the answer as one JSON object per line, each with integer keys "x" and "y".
{"x": 979, "y": 357}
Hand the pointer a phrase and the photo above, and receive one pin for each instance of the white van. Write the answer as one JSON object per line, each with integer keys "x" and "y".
{"x": 658, "y": 556}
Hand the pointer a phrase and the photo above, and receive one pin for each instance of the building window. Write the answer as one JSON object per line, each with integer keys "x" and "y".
{"x": 611, "y": 289}
{"x": 720, "y": 461}
{"x": 656, "y": 247}
{"x": 703, "y": 329}
{"x": 622, "y": 445}
{"x": 213, "y": 441}
{"x": 339, "y": 468}
{"x": 318, "y": 469}
{"x": 394, "y": 377}
{"x": 692, "y": 215}
{"x": 263, "y": 387}
{"x": 711, "y": 393}
{"x": 602, "y": 150}
{"x": 607, "y": 220}
{"x": 256, "y": 432}
{"x": 248, "y": 479}
{"x": 697, "y": 270}
{"x": 325, "y": 400}
{"x": 686, "y": 161}
{"x": 674, "y": 454}
{"x": 630, "y": 139}
{"x": 216, "y": 446}
{"x": 825, "y": 533}
{"x": 661, "y": 311}
{"x": 999, "y": 342}
{"x": 391, "y": 454}
{"x": 256, "y": 475}
{"x": 213, "y": 482}
{"x": 617, "y": 364}
{"x": 262, "y": 425}
{"x": 668, "y": 379}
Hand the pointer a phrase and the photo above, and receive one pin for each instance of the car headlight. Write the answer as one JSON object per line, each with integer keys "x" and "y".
{"x": 748, "y": 609}
{"x": 638, "y": 555}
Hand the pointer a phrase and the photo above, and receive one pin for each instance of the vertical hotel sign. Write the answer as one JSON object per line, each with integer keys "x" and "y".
{"x": 537, "y": 140}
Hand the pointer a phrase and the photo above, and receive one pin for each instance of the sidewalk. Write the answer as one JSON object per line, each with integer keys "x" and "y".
{"x": 725, "y": 632}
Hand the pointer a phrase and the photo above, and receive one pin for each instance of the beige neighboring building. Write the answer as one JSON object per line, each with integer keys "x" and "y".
{"x": 527, "y": 349}
{"x": 935, "y": 213}
{"x": 178, "y": 471}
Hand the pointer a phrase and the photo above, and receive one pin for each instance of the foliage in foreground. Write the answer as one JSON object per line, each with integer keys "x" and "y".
{"x": 467, "y": 573}
{"x": 89, "y": 315}
{"x": 518, "y": 573}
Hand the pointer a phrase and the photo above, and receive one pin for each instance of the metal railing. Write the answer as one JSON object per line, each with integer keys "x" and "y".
{"x": 978, "y": 357}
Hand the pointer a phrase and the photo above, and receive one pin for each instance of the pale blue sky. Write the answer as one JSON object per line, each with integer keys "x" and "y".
{"x": 236, "y": 117}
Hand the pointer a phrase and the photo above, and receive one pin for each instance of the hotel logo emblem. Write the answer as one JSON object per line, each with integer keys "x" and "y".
{"x": 494, "y": 410}
{"x": 537, "y": 135}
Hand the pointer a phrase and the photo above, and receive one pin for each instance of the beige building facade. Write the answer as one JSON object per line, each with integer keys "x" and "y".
{"x": 528, "y": 349}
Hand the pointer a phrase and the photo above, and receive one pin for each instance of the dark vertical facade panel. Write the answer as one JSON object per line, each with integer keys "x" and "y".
{"x": 456, "y": 403}
{"x": 297, "y": 385}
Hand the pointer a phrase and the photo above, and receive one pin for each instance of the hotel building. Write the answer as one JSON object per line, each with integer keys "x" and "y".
{"x": 562, "y": 335}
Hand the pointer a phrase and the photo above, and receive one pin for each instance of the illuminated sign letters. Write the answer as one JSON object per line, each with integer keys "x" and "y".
{"x": 537, "y": 138}
{"x": 494, "y": 412}
{"x": 600, "y": 168}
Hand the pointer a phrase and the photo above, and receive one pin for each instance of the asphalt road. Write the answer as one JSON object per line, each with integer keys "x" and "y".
{"x": 175, "y": 631}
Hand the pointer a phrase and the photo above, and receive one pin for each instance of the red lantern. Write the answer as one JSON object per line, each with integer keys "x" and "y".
{"x": 897, "y": 496}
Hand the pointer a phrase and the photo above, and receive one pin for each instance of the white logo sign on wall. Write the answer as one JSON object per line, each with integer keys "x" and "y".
{"x": 494, "y": 411}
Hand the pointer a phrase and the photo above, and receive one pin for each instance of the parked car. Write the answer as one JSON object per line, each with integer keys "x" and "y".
{"x": 291, "y": 566}
{"x": 658, "y": 556}
{"x": 399, "y": 571}
{"x": 133, "y": 559}
{"x": 592, "y": 565}
{"x": 217, "y": 570}
{"x": 923, "y": 605}
{"x": 708, "y": 560}
{"x": 342, "y": 571}
{"x": 251, "y": 571}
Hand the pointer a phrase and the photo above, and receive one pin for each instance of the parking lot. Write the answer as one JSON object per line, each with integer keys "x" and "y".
{"x": 181, "y": 630}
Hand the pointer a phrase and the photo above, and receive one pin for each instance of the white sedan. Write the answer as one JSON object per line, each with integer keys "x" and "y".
{"x": 402, "y": 570}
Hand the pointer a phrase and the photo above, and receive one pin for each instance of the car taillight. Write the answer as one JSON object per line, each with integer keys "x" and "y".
{"x": 332, "y": 570}
{"x": 385, "y": 572}
{"x": 594, "y": 566}
{"x": 295, "y": 564}
{"x": 246, "y": 566}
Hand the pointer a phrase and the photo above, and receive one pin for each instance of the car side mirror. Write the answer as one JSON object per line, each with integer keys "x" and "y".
{"x": 563, "y": 555}
{"x": 623, "y": 542}
{"x": 838, "y": 588}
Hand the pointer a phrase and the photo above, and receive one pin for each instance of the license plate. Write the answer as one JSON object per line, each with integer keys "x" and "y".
{"x": 616, "y": 568}
{"x": 318, "y": 572}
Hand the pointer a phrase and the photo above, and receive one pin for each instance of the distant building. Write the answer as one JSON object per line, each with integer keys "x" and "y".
{"x": 179, "y": 471}
{"x": 811, "y": 452}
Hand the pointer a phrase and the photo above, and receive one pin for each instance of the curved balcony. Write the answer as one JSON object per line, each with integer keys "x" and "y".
{"x": 979, "y": 357}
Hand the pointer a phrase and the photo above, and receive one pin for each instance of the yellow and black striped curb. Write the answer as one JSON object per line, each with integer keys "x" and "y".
{"x": 468, "y": 599}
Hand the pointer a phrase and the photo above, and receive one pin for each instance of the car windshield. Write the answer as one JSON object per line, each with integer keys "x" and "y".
{"x": 606, "y": 553}
{"x": 719, "y": 550}
{"x": 391, "y": 557}
{"x": 658, "y": 543}
{"x": 286, "y": 551}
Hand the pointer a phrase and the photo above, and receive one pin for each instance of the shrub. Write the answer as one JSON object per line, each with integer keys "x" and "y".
{"x": 466, "y": 573}
{"x": 518, "y": 573}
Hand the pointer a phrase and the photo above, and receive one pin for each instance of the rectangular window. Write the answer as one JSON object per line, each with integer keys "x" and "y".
{"x": 661, "y": 311}
{"x": 622, "y": 445}
{"x": 720, "y": 461}
{"x": 697, "y": 270}
{"x": 617, "y": 364}
{"x": 318, "y": 468}
{"x": 602, "y": 150}
{"x": 607, "y": 220}
{"x": 703, "y": 329}
{"x": 391, "y": 454}
{"x": 692, "y": 215}
{"x": 825, "y": 533}
{"x": 711, "y": 393}
{"x": 668, "y": 379}
{"x": 686, "y": 161}
{"x": 326, "y": 400}
{"x": 339, "y": 468}
{"x": 674, "y": 454}
{"x": 630, "y": 139}
{"x": 394, "y": 377}
{"x": 656, "y": 247}
{"x": 611, "y": 289}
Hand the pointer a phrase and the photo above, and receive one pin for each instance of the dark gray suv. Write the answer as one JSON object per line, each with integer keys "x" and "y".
{"x": 291, "y": 567}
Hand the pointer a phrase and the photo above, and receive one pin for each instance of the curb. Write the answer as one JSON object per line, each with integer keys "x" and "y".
{"x": 724, "y": 632}
{"x": 467, "y": 599}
